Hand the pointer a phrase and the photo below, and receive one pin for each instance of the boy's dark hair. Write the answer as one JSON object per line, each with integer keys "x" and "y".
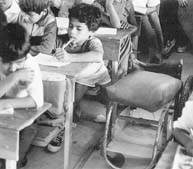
{"x": 14, "y": 43}
{"x": 33, "y": 5}
{"x": 88, "y": 14}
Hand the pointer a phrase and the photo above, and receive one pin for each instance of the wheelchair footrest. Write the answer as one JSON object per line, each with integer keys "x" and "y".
{"x": 130, "y": 149}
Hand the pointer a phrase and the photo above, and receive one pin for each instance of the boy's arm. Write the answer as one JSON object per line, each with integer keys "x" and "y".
{"x": 48, "y": 41}
{"x": 26, "y": 102}
{"x": 184, "y": 139}
{"x": 7, "y": 83}
{"x": 93, "y": 54}
{"x": 114, "y": 18}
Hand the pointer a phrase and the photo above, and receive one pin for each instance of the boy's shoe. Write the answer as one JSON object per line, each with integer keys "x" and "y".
{"x": 167, "y": 49}
{"x": 56, "y": 143}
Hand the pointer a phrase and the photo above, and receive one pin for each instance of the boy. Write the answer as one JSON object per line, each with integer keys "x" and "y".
{"x": 84, "y": 19}
{"x": 182, "y": 129}
{"x": 11, "y": 9}
{"x": 40, "y": 25}
{"x": 20, "y": 79}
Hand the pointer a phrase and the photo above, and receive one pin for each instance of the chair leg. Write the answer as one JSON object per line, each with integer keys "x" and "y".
{"x": 108, "y": 134}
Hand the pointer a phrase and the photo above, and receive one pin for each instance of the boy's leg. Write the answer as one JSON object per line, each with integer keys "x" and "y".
{"x": 56, "y": 144}
{"x": 155, "y": 22}
{"x": 151, "y": 40}
{"x": 26, "y": 137}
{"x": 80, "y": 91}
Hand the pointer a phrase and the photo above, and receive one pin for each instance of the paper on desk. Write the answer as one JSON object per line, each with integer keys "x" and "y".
{"x": 106, "y": 31}
{"x": 49, "y": 60}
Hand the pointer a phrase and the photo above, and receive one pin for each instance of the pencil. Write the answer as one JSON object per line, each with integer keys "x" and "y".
{"x": 65, "y": 45}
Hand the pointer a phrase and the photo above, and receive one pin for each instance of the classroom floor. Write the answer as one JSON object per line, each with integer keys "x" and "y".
{"x": 87, "y": 134}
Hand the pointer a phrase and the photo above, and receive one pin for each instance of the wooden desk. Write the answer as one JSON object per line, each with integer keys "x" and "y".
{"x": 116, "y": 47}
{"x": 10, "y": 127}
{"x": 69, "y": 95}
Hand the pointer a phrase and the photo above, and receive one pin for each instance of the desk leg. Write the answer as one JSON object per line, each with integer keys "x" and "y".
{"x": 70, "y": 88}
{"x": 114, "y": 70}
{"x": 11, "y": 164}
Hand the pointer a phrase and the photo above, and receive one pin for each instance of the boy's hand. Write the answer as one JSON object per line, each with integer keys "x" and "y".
{"x": 25, "y": 75}
{"x": 62, "y": 55}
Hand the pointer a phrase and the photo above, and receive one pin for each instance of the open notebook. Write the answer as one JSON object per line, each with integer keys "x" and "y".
{"x": 49, "y": 60}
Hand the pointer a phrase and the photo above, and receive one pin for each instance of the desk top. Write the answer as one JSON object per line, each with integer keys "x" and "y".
{"x": 121, "y": 33}
{"x": 112, "y": 43}
{"x": 22, "y": 117}
{"x": 68, "y": 70}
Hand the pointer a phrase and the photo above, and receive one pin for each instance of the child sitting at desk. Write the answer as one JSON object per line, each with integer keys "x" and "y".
{"x": 116, "y": 14}
{"x": 20, "y": 80}
{"x": 40, "y": 25}
{"x": 183, "y": 127}
{"x": 84, "y": 19}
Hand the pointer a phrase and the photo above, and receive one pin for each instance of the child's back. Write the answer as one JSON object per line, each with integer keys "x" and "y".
{"x": 40, "y": 25}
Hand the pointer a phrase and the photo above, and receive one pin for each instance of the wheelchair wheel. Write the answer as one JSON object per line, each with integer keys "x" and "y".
{"x": 186, "y": 92}
{"x": 162, "y": 136}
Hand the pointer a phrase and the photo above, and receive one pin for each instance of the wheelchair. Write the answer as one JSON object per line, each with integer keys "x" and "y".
{"x": 137, "y": 153}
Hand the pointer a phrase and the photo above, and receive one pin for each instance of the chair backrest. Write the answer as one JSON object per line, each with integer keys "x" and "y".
{"x": 173, "y": 69}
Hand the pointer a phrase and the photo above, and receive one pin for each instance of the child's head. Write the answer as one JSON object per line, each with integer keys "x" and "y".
{"x": 84, "y": 19}
{"x": 5, "y": 4}
{"x": 14, "y": 46}
{"x": 34, "y": 9}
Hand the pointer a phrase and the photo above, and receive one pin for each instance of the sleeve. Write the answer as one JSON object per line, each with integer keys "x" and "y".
{"x": 95, "y": 45}
{"x": 48, "y": 40}
{"x": 185, "y": 122}
{"x": 35, "y": 89}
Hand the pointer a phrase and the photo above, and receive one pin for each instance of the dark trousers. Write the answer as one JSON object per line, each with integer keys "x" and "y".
{"x": 171, "y": 26}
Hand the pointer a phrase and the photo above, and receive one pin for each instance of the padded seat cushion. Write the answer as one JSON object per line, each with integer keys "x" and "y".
{"x": 144, "y": 89}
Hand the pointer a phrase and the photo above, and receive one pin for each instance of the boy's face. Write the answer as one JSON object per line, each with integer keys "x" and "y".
{"x": 33, "y": 17}
{"x": 78, "y": 31}
{"x": 5, "y": 4}
{"x": 7, "y": 68}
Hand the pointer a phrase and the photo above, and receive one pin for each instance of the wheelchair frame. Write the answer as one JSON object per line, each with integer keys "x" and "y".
{"x": 164, "y": 125}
